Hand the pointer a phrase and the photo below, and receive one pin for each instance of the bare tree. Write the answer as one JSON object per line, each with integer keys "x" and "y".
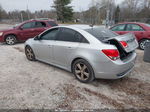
{"x": 107, "y": 10}
{"x": 3, "y": 13}
{"x": 131, "y": 7}
{"x": 146, "y": 4}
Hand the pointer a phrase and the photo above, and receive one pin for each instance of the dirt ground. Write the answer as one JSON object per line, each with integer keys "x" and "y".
{"x": 36, "y": 85}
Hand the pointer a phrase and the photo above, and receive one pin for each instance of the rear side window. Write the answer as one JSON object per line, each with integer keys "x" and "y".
{"x": 101, "y": 33}
{"x": 39, "y": 24}
{"x": 68, "y": 35}
{"x": 134, "y": 27}
{"x": 119, "y": 28}
{"x": 52, "y": 23}
{"x": 82, "y": 39}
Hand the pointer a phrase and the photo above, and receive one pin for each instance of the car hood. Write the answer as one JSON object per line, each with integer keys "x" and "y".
{"x": 7, "y": 30}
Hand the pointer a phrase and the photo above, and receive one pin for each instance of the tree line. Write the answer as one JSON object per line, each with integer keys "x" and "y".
{"x": 98, "y": 12}
{"x": 127, "y": 10}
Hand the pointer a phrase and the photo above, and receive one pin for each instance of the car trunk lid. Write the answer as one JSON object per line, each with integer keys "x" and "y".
{"x": 129, "y": 39}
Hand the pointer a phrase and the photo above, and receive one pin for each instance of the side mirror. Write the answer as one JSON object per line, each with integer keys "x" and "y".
{"x": 20, "y": 28}
{"x": 37, "y": 37}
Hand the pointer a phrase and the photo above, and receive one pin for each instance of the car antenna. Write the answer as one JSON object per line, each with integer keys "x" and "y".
{"x": 92, "y": 25}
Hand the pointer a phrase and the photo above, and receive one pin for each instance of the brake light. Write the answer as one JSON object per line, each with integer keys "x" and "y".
{"x": 124, "y": 44}
{"x": 113, "y": 54}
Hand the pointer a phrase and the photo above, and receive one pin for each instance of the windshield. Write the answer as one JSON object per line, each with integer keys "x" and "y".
{"x": 101, "y": 33}
{"x": 16, "y": 25}
{"x": 147, "y": 25}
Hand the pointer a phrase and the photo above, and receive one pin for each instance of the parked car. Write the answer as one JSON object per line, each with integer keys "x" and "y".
{"x": 25, "y": 30}
{"x": 88, "y": 52}
{"x": 141, "y": 31}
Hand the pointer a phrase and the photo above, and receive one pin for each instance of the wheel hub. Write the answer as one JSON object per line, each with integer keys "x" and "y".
{"x": 29, "y": 53}
{"x": 142, "y": 44}
{"x": 10, "y": 40}
{"x": 81, "y": 71}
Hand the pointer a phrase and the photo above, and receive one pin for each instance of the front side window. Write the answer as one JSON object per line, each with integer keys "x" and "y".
{"x": 50, "y": 34}
{"x": 134, "y": 27}
{"x": 28, "y": 25}
{"x": 68, "y": 35}
{"x": 40, "y": 24}
{"x": 119, "y": 28}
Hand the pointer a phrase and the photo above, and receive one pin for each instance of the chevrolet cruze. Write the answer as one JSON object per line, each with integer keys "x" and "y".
{"x": 88, "y": 52}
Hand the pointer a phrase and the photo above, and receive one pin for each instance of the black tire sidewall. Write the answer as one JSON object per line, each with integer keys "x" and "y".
{"x": 91, "y": 77}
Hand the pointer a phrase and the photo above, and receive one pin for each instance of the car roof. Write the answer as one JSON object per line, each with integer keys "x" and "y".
{"x": 83, "y": 27}
{"x": 80, "y": 26}
{"x": 131, "y": 23}
{"x": 38, "y": 20}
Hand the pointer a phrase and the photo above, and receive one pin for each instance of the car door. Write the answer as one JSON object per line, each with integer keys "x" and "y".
{"x": 40, "y": 27}
{"x": 120, "y": 29}
{"x": 43, "y": 47}
{"x": 26, "y": 31}
{"x": 137, "y": 30}
{"x": 66, "y": 44}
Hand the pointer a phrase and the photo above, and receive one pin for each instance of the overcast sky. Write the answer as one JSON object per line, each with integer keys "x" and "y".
{"x": 33, "y": 5}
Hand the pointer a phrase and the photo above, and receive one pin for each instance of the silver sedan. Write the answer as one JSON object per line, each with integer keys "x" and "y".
{"x": 88, "y": 52}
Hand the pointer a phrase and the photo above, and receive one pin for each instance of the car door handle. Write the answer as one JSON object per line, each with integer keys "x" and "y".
{"x": 70, "y": 47}
{"x": 50, "y": 46}
{"x": 32, "y": 29}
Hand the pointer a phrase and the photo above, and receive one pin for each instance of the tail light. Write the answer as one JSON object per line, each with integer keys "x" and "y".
{"x": 113, "y": 54}
{"x": 124, "y": 44}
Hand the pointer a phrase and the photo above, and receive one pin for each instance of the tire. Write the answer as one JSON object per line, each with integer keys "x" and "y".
{"x": 142, "y": 43}
{"x": 29, "y": 53}
{"x": 83, "y": 71}
{"x": 10, "y": 39}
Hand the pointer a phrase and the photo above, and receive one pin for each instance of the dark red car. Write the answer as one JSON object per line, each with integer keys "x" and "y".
{"x": 141, "y": 31}
{"x": 25, "y": 30}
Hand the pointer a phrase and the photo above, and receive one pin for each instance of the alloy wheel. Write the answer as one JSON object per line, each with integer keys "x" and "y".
{"x": 143, "y": 44}
{"x": 10, "y": 40}
{"x": 82, "y": 71}
{"x": 29, "y": 53}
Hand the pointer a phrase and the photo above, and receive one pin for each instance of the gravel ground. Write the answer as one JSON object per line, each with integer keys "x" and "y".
{"x": 36, "y": 85}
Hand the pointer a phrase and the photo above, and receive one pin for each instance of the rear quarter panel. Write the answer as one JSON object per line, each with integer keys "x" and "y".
{"x": 91, "y": 53}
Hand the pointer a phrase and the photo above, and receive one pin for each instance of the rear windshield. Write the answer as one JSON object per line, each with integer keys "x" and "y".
{"x": 52, "y": 23}
{"x": 101, "y": 33}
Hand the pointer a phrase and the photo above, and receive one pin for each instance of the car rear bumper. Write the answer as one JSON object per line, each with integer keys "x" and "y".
{"x": 115, "y": 70}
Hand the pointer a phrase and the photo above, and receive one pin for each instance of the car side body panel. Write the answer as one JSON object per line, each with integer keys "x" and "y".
{"x": 62, "y": 54}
